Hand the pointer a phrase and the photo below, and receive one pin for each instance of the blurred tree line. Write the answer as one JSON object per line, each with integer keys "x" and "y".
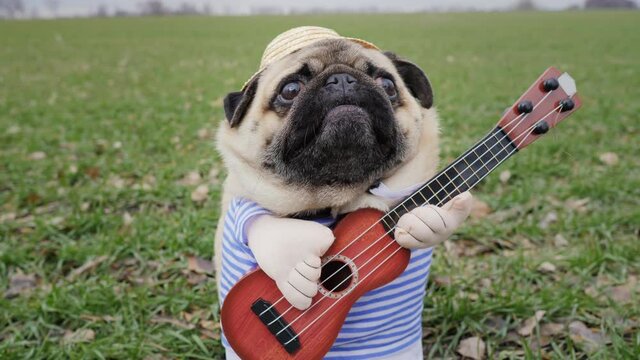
{"x": 16, "y": 8}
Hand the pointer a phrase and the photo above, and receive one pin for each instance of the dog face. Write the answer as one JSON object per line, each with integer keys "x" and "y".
{"x": 324, "y": 124}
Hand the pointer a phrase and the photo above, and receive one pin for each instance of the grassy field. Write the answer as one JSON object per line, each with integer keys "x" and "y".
{"x": 105, "y": 124}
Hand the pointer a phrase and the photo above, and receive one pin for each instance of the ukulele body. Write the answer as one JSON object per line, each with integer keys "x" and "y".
{"x": 311, "y": 335}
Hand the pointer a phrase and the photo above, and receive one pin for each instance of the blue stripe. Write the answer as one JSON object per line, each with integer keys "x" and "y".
{"x": 403, "y": 282}
{"x": 381, "y": 334}
{"x": 395, "y": 321}
{"x": 360, "y": 304}
{"x": 228, "y": 248}
{"x": 229, "y": 264}
{"x": 410, "y": 305}
{"x": 370, "y": 356}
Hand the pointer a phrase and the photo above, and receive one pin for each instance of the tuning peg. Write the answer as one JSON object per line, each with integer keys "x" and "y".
{"x": 525, "y": 107}
{"x": 566, "y": 105}
{"x": 541, "y": 128}
{"x": 550, "y": 84}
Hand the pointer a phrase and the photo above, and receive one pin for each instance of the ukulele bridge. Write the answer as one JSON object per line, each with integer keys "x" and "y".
{"x": 267, "y": 314}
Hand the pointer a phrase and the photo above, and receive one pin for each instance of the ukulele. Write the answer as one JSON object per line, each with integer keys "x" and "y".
{"x": 260, "y": 324}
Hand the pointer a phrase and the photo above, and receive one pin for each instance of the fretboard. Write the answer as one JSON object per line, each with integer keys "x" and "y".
{"x": 461, "y": 175}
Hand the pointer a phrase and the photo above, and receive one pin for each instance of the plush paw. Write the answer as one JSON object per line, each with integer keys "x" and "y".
{"x": 289, "y": 251}
{"x": 430, "y": 225}
{"x": 302, "y": 283}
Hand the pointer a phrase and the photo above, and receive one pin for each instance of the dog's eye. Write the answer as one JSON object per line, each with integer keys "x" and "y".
{"x": 388, "y": 86}
{"x": 291, "y": 90}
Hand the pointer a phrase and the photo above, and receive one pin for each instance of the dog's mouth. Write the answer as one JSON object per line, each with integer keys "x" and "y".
{"x": 344, "y": 122}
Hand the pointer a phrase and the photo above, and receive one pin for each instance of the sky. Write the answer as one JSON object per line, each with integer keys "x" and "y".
{"x": 43, "y": 8}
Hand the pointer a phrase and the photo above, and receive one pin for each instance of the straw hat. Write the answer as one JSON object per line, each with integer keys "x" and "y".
{"x": 295, "y": 39}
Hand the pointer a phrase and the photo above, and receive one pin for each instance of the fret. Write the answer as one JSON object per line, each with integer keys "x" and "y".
{"x": 422, "y": 196}
{"x": 462, "y": 180}
{"x": 482, "y": 158}
{"x": 386, "y": 224}
{"x": 469, "y": 173}
{"x": 434, "y": 196}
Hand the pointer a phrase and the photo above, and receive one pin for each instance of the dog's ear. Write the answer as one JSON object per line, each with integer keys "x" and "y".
{"x": 236, "y": 103}
{"x": 414, "y": 78}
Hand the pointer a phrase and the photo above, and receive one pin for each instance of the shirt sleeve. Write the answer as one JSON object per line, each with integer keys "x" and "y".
{"x": 244, "y": 212}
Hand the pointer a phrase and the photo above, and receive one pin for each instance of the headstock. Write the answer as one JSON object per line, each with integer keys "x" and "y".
{"x": 548, "y": 101}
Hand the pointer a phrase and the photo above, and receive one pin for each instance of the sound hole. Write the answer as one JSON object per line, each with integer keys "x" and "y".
{"x": 333, "y": 276}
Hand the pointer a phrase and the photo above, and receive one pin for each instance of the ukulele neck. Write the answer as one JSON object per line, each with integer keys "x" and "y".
{"x": 461, "y": 175}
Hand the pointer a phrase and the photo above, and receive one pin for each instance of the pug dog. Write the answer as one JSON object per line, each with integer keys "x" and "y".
{"x": 329, "y": 125}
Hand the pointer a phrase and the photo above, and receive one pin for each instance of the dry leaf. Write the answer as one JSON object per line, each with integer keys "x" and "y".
{"x": 609, "y": 158}
{"x": 127, "y": 219}
{"x": 505, "y": 176}
{"x": 205, "y": 133}
{"x": 622, "y": 293}
{"x": 196, "y": 279}
{"x": 171, "y": 321}
{"x": 199, "y": 265}
{"x": 78, "y": 336}
{"x": 551, "y": 329}
{"x": 20, "y": 284}
{"x": 13, "y": 129}
{"x": 586, "y": 338}
{"x": 560, "y": 241}
{"x": 148, "y": 182}
{"x": 530, "y": 323}
{"x": 105, "y": 318}
{"x": 472, "y": 347}
{"x": 578, "y": 205}
{"x": 7, "y": 217}
{"x": 117, "y": 145}
{"x": 116, "y": 182}
{"x": 547, "y": 268}
{"x": 38, "y": 155}
{"x": 86, "y": 267}
{"x": 190, "y": 179}
{"x": 93, "y": 172}
{"x": 441, "y": 280}
{"x": 495, "y": 323}
{"x": 479, "y": 208}
{"x": 549, "y": 219}
{"x": 200, "y": 194}
{"x": 210, "y": 334}
{"x": 196, "y": 315}
{"x": 538, "y": 342}
{"x": 209, "y": 324}
{"x": 33, "y": 198}
{"x": 55, "y": 221}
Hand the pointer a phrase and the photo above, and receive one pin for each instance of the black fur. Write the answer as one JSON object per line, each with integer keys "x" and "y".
{"x": 325, "y": 143}
{"x": 415, "y": 79}
{"x": 236, "y": 103}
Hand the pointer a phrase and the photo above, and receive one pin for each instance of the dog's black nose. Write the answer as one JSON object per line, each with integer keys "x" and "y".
{"x": 341, "y": 81}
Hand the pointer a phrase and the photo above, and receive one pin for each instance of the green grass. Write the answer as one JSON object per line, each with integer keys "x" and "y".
{"x": 74, "y": 88}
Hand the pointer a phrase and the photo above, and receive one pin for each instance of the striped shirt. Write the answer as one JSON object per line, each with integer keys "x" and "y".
{"x": 382, "y": 322}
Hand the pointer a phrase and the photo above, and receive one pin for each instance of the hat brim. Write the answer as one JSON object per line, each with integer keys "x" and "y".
{"x": 364, "y": 43}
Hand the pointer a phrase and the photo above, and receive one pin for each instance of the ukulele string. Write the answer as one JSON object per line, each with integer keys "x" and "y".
{"x": 527, "y": 132}
{"x": 523, "y": 115}
{"x": 478, "y": 143}
{"x": 385, "y": 234}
